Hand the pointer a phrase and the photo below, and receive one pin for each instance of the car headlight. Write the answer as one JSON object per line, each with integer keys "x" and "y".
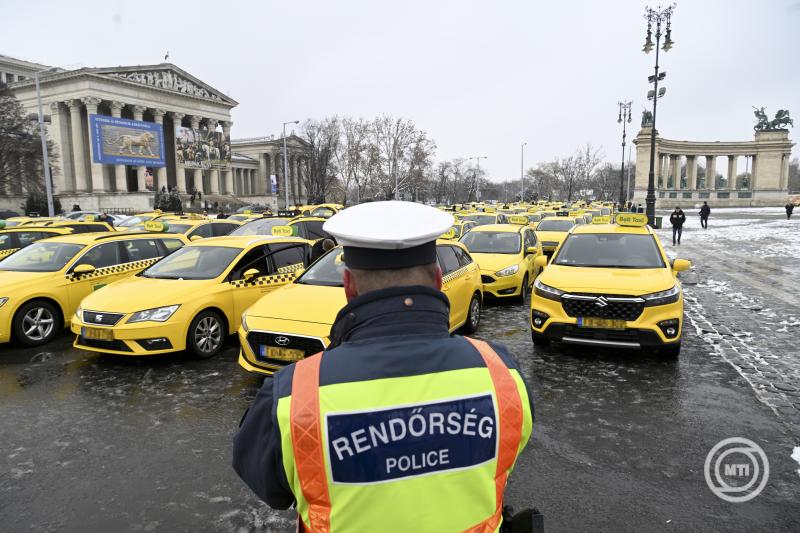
{"x": 3, "y": 301}
{"x": 78, "y": 313}
{"x": 668, "y": 296}
{"x": 546, "y": 291}
{"x": 508, "y": 271}
{"x": 157, "y": 314}
{"x": 244, "y": 322}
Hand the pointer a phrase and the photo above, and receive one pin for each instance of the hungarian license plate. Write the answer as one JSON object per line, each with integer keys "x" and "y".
{"x": 282, "y": 354}
{"x": 97, "y": 334}
{"x": 604, "y": 323}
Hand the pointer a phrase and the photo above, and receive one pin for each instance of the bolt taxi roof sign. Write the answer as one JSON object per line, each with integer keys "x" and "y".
{"x": 284, "y": 231}
{"x": 603, "y": 219}
{"x": 631, "y": 219}
{"x": 156, "y": 226}
{"x": 518, "y": 219}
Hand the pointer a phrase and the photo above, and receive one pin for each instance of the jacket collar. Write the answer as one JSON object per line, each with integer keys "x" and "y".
{"x": 410, "y": 310}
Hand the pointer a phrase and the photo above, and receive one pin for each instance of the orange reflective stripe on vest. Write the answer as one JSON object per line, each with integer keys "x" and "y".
{"x": 307, "y": 443}
{"x": 308, "y": 447}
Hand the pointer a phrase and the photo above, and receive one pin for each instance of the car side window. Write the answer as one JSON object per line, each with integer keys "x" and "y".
{"x": 6, "y": 241}
{"x": 530, "y": 239}
{"x": 102, "y": 255}
{"x": 203, "y": 231}
{"x": 315, "y": 231}
{"x": 170, "y": 245}
{"x": 448, "y": 261}
{"x": 255, "y": 258}
{"x": 302, "y": 230}
{"x": 30, "y": 237}
{"x": 141, "y": 249}
{"x": 288, "y": 254}
{"x": 219, "y": 229}
{"x": 464, "y": 258}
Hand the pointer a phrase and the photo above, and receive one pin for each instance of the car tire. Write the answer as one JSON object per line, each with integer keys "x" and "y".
{"x": 539, "y": 340}
{"x": 671, "y": 351}
{"x": 523, "y": 290}
{"x": 207, "y": 334}
{"x": 474, "y": 315}
{"x": 36, "y": 323}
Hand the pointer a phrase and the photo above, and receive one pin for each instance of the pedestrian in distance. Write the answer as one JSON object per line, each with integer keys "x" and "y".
{"x": 107, "y": 219}
{"x": 704, "y": 212}
{"x": 789, "y": 210}
{"x": 75, "y": 208}
{"x": 396, "y": 412}
{"x": 221, "y": 215}
{"x": 677, "y": 218}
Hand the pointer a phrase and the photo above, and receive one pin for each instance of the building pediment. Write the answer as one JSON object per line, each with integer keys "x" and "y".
{"x": 168, "y": 77}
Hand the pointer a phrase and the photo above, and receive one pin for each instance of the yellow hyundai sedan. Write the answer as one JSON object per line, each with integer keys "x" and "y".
{"x": 191, "y": 300}
{"x": 295, "y": 321}
{"x": 506, "y": 254}
{"x": 41, "y": 285}
{"x": 610, "y": 285}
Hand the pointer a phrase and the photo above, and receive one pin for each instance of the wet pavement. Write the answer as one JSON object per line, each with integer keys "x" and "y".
{"x": 101, "y": 443}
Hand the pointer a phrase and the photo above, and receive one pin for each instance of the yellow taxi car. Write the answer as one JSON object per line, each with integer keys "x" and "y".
{"x": 25, "y": 220}
{"x": 193, "y": 228}
{"x": 482, "y": 219}
{"x": 610, "y": 285}
{"x": 458, "y": 229}
{"x": 309, "y": 228}
{"x": 246, "y": 216}
{"x": 191, "y": 300}
{"x": 506, "y": 254}
{"x": 77, "y": 226}
{"x": 140, "y": 218}
{"x": 12, "y": 239}
{"x": 552, "y": 230}
{"x": 42, "y": 284}
{"x": 295, "y": 321}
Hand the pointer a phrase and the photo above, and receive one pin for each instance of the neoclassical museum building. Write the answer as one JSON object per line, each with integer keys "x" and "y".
{"x": 184, "y": 107}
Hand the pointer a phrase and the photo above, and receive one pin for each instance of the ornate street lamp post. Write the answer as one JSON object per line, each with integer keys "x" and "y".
{"x": 658, "y": 17}
{"x": 624, "y": 118}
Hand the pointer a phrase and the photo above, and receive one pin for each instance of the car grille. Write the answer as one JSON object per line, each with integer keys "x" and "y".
{"x": 623, "y": 335}
{"x": 102, "y": 319}
{"x": 487, "y": 279}
{"x": 616, "y": 307}
{"x": 310, "y": 346}
{"x": 117, "y": 346}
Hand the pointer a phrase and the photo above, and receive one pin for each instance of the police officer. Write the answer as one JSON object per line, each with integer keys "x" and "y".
{"x": 397, "y": 426}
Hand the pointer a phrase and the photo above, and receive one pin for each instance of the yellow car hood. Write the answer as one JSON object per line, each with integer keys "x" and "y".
{"x": 301, "y": 303}
{"x": 556, "y": 236}
{"x": 136, "y": 293}
{"x": 495, "y": 262}
{"x": 633, "y": 281}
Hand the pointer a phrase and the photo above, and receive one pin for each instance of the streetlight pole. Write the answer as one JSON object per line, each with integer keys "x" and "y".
{"x": 48, "y": 185}
{"x": 624, "y": 118}
{"x": 478, "y": 175}
{"x": 286, "y": 164}
{"x": 657, "y": 16}
{"x": 522, "y": 173}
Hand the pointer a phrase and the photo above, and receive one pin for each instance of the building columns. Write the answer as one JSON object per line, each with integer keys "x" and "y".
{"x": 120, "y": 179}
{"x": 731, "y": 172}
{"x": 141, "y": 170}
{"x": 78, "y": 146}
{"x": 711, "y": 172}
{"x": 228, "y": 172}
{"x": 62, "y": 174}
{"x": 180, "y": 171}
{"x": 673, "y": 173}
{"x": 161, "y": 172}
{"x": 98, "y": 184}
{"x": 197, "y": 177}
{"x": 691, "y": 172}
{"x": 214, "y": 173}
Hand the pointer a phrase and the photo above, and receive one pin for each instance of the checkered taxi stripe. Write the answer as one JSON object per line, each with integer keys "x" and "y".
{"x": 114, "y": 269}
{"x": 456, "y": 273}
{"x": 273, "y": 279}
{"x": 5, "y": 253}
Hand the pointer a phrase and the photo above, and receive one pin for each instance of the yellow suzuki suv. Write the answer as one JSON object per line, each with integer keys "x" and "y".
{"x": 610, "y": 285}
{"x": 295, "y": 321}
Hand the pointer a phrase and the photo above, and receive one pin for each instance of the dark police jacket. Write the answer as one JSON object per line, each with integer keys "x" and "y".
{"x": 377, "y": 335}
{"x": 677, "y": 219}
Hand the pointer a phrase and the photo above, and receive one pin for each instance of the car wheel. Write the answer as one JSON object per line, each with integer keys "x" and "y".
{"x": 206, "y": 335}
{"x": 539, "y": 340}
{"x": 36, "y": 323}
{"x": 474, "y": 315}
{"x": 523, "y": 290}
{"x": 671, "y": 351}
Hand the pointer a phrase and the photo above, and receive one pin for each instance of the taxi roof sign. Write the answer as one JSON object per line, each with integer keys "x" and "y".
{"x": 449, "y": 234}
{"x": 284, "y": 231}
{"x": 88, "y": 218}
{"x": 247, "y": 212}
{"x": 603, "y": 219}
{"x": 631, "y": 219}
{"x": 156, "y": 226}
{"x": 518, "y": 219}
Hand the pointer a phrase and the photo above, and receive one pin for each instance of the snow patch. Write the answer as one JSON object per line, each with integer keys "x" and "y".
{"x": 796, "y": 456}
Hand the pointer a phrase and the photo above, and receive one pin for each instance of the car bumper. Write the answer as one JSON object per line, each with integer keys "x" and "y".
{"x": 138, "y": 339}
{"x": 314, "y": 337}
{"x": 643, "y": 332}
{"x": 502, "y": 287}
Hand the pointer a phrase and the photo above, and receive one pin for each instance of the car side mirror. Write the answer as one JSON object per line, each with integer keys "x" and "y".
{"x": 250, "y": 274}
{"x": 680, "y": 265}
{"x": 530, "y": 250}
{"x": 82, "y": 270}
{"x": 540, "y": 261}
{"x": 195, "y": 238}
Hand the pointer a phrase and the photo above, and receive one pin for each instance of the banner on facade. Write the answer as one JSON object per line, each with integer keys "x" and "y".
{"x": 202, "y": 148}
{"x": 273, "y": 179}
{"x": 121, "y": 141}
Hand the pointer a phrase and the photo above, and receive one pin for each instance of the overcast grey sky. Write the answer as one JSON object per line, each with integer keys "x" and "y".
{"x": 480, "y": 77}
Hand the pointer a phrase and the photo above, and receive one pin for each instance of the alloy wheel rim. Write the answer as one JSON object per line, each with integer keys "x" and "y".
{"x": 475, "y": 313}
{"x": 38, "y": 323}
{"x": 208, "y": 334}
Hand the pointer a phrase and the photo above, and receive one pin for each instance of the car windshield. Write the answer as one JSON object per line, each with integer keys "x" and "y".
{"x": 481, "y": 220}
{"x": 326, "y": 272}
{"x": 41, "y": 257}
{"x": 323, "y": 212}
{"x": 261, "y": 226}
{"x": 610, "y": 250}
{"x": 193, "y": 262}
{"x": 492, "y": 242}
{"x": 553, "y": 224}
{"x": 133, "y": 221}
{"x": 178, "y": 228}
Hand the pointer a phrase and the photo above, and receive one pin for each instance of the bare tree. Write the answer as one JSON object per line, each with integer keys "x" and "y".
{"x": 323, "y": 139}
{"x": 352, "y": 155}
